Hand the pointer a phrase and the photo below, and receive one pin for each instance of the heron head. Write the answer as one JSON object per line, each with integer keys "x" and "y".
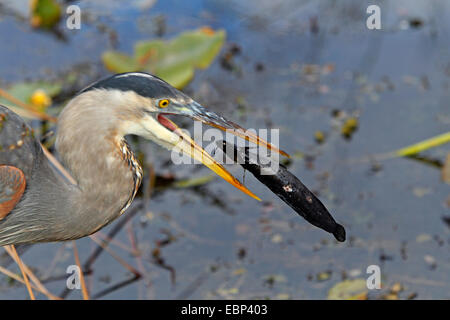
{"x": 150, "y": 99}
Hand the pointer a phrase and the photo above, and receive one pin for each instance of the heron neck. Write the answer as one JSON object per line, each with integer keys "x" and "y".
{"x": 107, "y": 183}
{"x": 99, "y": 159}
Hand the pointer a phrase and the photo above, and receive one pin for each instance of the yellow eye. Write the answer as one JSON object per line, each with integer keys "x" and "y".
{"x": 163, "y": 103}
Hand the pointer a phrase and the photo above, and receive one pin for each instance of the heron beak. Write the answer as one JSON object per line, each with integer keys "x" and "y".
{"x": 189, "y": 147}
{"x": 198, "y": 112}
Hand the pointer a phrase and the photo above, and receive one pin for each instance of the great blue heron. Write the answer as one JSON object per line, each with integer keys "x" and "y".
{"x": 37, "y": 204}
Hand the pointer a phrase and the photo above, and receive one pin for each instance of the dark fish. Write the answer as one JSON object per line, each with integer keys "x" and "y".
{"x": 288, "y": 187}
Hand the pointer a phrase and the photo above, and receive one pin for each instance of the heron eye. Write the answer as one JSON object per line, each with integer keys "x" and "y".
{"x": 163, "y": 103}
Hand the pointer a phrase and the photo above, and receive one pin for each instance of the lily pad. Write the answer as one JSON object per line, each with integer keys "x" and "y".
{"x": 119, "y": 62}
{"x": 355, "y": 289}
{"x": 25, "y": 91}
{"x": 174, "y": 60}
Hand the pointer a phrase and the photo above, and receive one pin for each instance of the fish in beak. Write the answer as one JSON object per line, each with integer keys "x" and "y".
{"x": 189, "y": 147}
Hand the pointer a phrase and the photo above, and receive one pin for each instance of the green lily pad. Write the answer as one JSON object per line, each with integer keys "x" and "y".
{"x": 175, "y": 60}
{"x": 119, "y": 62}
{"x": 355, "y": 289}
{"x": 23, "y": 92}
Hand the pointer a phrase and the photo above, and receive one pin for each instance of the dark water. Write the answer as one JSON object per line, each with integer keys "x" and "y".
{"x": 226, "y": 245}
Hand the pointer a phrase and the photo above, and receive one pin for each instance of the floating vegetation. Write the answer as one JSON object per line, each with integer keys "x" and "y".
{"x": 319, "y": 136}
{"x": 175, "y": 60}
{"x": 349, "y": 127}
{"x": 446, "y": 170}
{"x": 194, "y": 182}
{"x": 355, "y": 289}
{"x": 423, "y": 145}
{"x": 44, "y": 13}
{"x": 30, "y": 99}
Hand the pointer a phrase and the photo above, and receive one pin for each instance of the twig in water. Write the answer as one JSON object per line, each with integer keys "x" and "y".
{"x": 83, "y": 282}
{"x": 13, "y": 253}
